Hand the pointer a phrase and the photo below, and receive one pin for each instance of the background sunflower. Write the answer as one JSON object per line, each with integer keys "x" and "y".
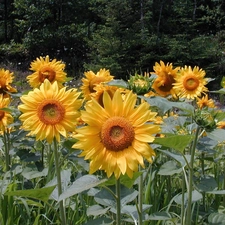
{"x": 45, "y": 69}
{"x": 49, "y": 112}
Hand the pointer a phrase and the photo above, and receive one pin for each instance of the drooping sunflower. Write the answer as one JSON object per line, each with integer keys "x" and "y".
{"x": 101, "y": 88}
{"x": 91, "y": 80}
{"x": 205, "y": 102}
{"x": 49, "y": 111}
{"x": 117, "y": 136}
{"x": 163, "y": 84}
{"x": 5, "y": 117}
{"x": 140, "y": 84}
{"x": 190, "y": 83}
{"x": 43, "y": 69}
{"x": 6, "y": 78}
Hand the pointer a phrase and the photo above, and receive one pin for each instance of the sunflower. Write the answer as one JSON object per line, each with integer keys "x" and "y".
{"x": 101, "y": 88}
{"x": 5, "y": 117}
{"x": 205, "y": 102}
{"x": 221, "y": 124}
{"x": 50, "y": 111}
{"x": 140, "y": 84}
{"x": 163, "y": 84}
{"x": 92, "y": 79}
{"x": 190, "y": 83}
{"x": 6, "y": 78}
{"x": 116, "y": 136}
{"x": 45, "y": 69}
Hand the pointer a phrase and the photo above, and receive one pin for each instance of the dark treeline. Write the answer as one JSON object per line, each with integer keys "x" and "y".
{"x": 121, "y": 35}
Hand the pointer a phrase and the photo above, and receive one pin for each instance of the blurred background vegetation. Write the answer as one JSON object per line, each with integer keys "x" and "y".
{"x": 123, "y": 36}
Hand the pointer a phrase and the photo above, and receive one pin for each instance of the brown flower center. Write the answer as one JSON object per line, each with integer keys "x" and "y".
{"x": 94, "y": 81}
{"x": 46, "y": 72}
{"x": 2, "y": 114}
{"x": 50, "y": 112}
{"x": 100, "y": 98}
{"x": 117, "y": 133}
{"x": 190, "y": 83}
{"x": 167, "y": 83}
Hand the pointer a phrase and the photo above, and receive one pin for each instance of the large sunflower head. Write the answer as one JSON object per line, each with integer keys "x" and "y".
{"x": 117, "y": 136}
{"x": 91, "y": 80}
{"x": 44, "y": 68}
{"x": 190, "y": 83}
{"x": 5, "y": 117}
{"x": 6, "y": 78}
{"x": 49, "y": 111}
{"x": 163, "y": 84}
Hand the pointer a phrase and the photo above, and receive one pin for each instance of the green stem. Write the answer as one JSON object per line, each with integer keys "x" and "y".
{"x": 59, "y": 183}
{"x": 140, "y": 199}
{"x": 118, "y": 202}
{"x": 183, "y": 197}
{"x": 7, "y": 148}
{"x": 190, "y": 183}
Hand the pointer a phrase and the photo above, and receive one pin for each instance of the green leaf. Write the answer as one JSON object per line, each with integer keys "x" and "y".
{"x": 182, "y": 159}
{"x": 206, "y": 184}
{"x": 31, "y": 202}
{"x": 100, "y": 221}
{"x": 124, "y": 180}
{"x": 165, "y": 105}
{"x": 132, "y": 210}
{"x": 216, "y": 219}
{"x": 196, "y": 196}
{"x": 217, "y": 135}
{"x": 220, "y": 115}
{"x": 42, "y": 194}
{"x": 169, "y": 168}
{"x": 222, "y": 82}
{"x": 159, "y": 216}
{"x": 177, "y": 142}
{"x": 37, "y": 222}
{"x": 106, "y": 198}
{"x": 96, "y": 210}
{"x": 81, "y": 184}
{"x": 118, "y": 83}
{"x": 220, "y": 91}
{"x": 217, "y": 192}
{"x": 30, "y": 173}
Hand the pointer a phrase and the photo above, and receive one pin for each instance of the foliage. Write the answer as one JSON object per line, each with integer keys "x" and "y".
{"x": 123, "y": 36}
{"x": 188, "y": 170}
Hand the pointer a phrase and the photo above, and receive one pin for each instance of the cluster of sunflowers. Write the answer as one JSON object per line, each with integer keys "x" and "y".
{"x": 111, "y": 126}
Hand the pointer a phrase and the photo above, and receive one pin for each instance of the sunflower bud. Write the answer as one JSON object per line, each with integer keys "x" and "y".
{"x": 140, "y": 84}
{"x": 205, "y": 119}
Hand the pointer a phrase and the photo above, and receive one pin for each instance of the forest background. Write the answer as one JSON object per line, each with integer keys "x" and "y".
{"x": 124, "y": 36}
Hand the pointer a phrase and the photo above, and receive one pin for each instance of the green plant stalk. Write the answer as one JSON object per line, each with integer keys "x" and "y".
{"x": 118, "y": 202}
{"x": 190, "y": 183}
{"x": 59, "y": 183}
{"x": 7, "y": 148}
{"x": 140, "y": 199}
{"x": 183, "y": 199}
{"x": 224, "y": 188}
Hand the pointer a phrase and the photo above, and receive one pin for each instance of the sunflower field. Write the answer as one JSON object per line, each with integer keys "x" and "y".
{"x": 148, "y": 150}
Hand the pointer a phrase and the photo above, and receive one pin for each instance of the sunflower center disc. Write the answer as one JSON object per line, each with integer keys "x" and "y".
{"x": 47, "y": 73}
{"x": 191, "y": 83}
{"x": 117, "y": 133}
{"x": 51, "y": 112}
